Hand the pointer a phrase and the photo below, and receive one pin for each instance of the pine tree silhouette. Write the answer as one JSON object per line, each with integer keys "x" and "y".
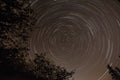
{"x": 115, "y": 73}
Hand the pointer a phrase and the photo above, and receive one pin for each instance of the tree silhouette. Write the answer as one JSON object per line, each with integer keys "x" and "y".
{"x": 46, "y": 70}
{"x": 115, "y": 73}
{"x": 16, "y": 24}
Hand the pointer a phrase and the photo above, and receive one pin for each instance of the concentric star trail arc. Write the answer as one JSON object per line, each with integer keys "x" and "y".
{"x": 80, "y": 34}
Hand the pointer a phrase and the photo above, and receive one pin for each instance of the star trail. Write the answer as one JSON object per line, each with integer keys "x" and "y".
{"x": 82, "y": 35}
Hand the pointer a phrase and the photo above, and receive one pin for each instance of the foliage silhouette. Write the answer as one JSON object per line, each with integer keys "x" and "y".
{"x": 115, "y": 73}
{"x": 16, "y": 24}
{"x": 46, "y": 70}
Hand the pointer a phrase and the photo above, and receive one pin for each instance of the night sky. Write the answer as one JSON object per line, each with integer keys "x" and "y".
{"x": 81, "y": 35}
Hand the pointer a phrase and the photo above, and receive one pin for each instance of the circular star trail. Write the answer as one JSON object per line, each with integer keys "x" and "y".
{"x": 81, "y": 35}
